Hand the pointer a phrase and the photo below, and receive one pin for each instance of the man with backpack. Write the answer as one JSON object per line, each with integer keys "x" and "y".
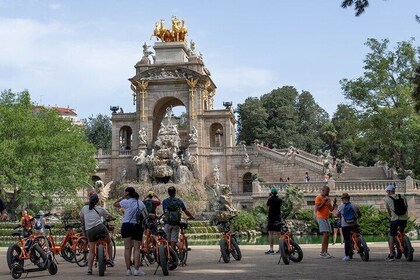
{"x": 172, "y": 207}
{"x": 396, "y": 205}
{"x": 348, "y": 213}
{"x": 151, "y": 203}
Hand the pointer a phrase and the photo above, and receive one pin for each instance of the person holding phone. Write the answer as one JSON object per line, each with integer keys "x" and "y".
{"x": 323, "y": 207}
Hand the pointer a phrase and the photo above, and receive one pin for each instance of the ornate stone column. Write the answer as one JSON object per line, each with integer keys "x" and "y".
{"x": 143, "y": 91}
{"x": 192, "y": 84}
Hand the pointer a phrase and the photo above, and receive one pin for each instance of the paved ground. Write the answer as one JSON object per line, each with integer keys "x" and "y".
{"x": 203, "y": 264}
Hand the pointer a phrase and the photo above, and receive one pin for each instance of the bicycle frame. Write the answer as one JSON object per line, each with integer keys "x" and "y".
{"x": 354, "y": 236}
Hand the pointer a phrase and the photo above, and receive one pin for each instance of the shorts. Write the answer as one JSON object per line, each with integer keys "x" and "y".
{"x": 393, "y": 227}
{"x": 272, "y": 227}
{"x": 93, "y": 233}
{"x": 324, "y": 225}
{"x": 336, "y": 223}
{"x": 172, "y": 232}
{"x": 134, "y": 231}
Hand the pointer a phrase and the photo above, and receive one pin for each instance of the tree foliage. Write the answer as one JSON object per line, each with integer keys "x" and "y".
{"x": 99, "y": 131}
{"x": 382, "y": 98}
{"x": 359, "y": 5}
{"x": 41, "y": 154}
{"x": 282, "y": 118}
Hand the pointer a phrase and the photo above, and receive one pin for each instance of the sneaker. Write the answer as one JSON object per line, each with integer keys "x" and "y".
{"x": 139, "y": 272}
{"x": 390, "y": 258}
{"x": 346, "y": 258}
{"x": 110, "y": 263}
{"x": 278, "y": 252}
{"x": 129, "y": 272}
{"x": 269, "y": 252}
{"x": 329, "y": 256}
{"x": 89, "y": 272}
{"x": 325, "y": 256}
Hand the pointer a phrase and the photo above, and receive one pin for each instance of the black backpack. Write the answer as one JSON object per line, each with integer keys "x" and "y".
{"x": 399, "y": 205}
{"x": 173, "y": 212}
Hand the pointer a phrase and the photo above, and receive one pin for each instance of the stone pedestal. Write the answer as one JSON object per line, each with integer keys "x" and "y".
{"x": 171, "y": 52}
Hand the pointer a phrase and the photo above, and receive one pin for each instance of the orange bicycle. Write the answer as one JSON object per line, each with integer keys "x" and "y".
{"x": 147, "y": 249}
{"x": 359, "y": 244}
{"x": 403, "y": 246}
{"x": 182, "y": 245}
{"x": 228, "y": 242}
{"x": 289, "y": 249}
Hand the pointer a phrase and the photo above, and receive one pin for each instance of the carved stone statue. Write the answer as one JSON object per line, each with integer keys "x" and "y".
{"x": 218, "y": 137}
{"x": 102, "y": 191}
{"x": 142, "y": 136}
{"x": 192, "y": 48}
{"x": 193, "y": 135}
{"x": 146, "y": 51}
{"x": 216, "y": 175}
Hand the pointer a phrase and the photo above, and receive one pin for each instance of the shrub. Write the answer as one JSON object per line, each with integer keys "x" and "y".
{"x": 244, "y": 221}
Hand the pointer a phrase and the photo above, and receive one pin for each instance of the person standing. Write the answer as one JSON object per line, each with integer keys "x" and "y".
{"x": 172, "y": 207}
{"x": 348, "y": 214}
{"x": 92, "y": 216}
{"x": 322, "y": 209}
{"x": 274, "y": 218}
{"x": 131, "y": 232}
{"x": 307, "y": 178}
{"x": 26, "y": 222}
{"x": 151, "y": 201}
{"x": 396, "y": 206}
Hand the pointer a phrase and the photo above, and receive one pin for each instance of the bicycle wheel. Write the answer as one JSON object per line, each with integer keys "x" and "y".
{"x": 236, "y": 252}
{"x": 13, "y": 253}
{"x": 408, "y": 249}
{"x": 101, "y": 260}
{"x": 163, "y": 259}
{"x": 114, "y": 249}
{"x": 363, "y": 249}
{"x": 224, "y": 250}
{"x": 81, "y": 252}
{"x": 186, "y": 249}
{"x": 283, "y": 252}
{"x": 38, "y": 256}
{"x": 52, "y": 269}
{"x": 296, "y": 254}
{"x": 174, "y": 260}
{"x": 67, "y": 253}
{"x": 16, "y": 271}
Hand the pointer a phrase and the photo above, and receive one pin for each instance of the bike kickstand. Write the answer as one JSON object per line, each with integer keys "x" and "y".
{"x": 220, "y": 258}
{"x": 279, "y": 260}
{"x": 156, "y": 269}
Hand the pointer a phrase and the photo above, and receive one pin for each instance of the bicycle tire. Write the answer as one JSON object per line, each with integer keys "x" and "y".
{"x": 52, "y": 269}
{"x": 163, "y": 259}
{"x": 363, "y": 249}
{"x": 174, "y": 260}
{"x": 41, "y": 241}
{"x": 16, "y": 271}
{"x": 283, "y": 252}
{"x": 67, "y": 253}
{"x": 296, "y": 254}
{"x": 101, "y": 260}
{"x": 408, "y": 249}
{"x": 186, "y": 251}
{"x": 236, "y": 252}
{"x": 224, "y": 250}
{"x": 114, "y": 249}
{"x": 37, "y": 254}
{"x": 13, "y": 253}
{"x": 81, "y": 252}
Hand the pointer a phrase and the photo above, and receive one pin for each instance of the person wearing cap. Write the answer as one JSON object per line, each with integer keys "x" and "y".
{"x": 396, "y": 221}
{"x": 39, "y": 221}
{"x": 322, "y": 209}
{"x": 26, "y": 222}
{"x": 151, "y": 201}
{"x": 274, "y": 217}
{"x": 131, "y": 231}
{"x": 347, "y": 226}
{"x": 92, "y": 216}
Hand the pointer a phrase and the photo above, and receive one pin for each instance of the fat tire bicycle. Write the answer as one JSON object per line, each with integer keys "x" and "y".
{"x": 358, "y": 244}
{"x": 289, "y": 249}
{"x": 403, "y": 246}
{"x": 228, "y": 243}
{"x": 182, "y": 245}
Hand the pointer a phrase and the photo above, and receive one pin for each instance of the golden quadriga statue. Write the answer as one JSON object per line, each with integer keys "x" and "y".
{"x": 177, "y": 34}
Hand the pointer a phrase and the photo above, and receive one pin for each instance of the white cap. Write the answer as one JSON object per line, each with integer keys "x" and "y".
{"x": 390, "y": 188}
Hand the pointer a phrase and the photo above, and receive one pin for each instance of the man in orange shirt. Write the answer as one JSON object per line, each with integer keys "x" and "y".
{"x": 323, "y": 206}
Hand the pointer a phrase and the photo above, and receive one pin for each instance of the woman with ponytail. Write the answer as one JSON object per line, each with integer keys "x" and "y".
{"x": 93, "y": 216}
{"x": 131, "y": 232}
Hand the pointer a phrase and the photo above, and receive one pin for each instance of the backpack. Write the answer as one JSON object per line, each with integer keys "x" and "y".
{"x": 173, "y": 212}
{"x": 139, "y": 215}
{"x": 399, "y": 205}
{"x": 38, "y": 223}
{"x": 149, "y": 205}
{"x": 348, "y": 213}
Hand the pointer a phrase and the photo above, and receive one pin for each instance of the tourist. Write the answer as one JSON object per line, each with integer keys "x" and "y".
{"x": 348, "y": 214}
{"x": 322, "y": 209}
{"x": 396, "y": 206}
{"x": 92, "y": 216}
{"x": 274, "y": 218}
{"x": 131, "y": 232}
{"x": 307, "y": 178}
{"x": 172, "y": 207}
{"x": 26, "y": 222}
{"x": 336, "y": 226}
{"x": 151, "y": 201}
{"x": 339, "y": 168}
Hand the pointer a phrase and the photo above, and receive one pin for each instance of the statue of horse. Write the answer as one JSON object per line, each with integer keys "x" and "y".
{"x": 176, "y": 28}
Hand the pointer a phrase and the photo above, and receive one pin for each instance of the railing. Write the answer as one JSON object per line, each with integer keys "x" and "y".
{"x": 306, "y": 187}
{"x": 416, "y": 184}
{"x": 377, "y": 186}
{"x": 125, "y": 152}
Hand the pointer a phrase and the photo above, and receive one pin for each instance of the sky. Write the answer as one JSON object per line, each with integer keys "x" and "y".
{"x": 81, "y": 53}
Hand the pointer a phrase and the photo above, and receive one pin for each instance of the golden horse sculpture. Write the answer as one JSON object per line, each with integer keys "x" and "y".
{"x": 177, "y": 34}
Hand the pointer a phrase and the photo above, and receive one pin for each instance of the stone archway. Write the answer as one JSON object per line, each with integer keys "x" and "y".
{"x": 159, "y": 112}
{"x": 247, "y": 182}
{"x": 216, "y": 135}
{"x": 126, "y": 138}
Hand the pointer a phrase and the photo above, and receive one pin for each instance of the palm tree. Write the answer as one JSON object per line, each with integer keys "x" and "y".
{"x": 330, "y": 134}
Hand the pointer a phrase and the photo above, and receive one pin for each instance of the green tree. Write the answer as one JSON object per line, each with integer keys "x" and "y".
{"x": 41, "y": 154}
{"x": 383, "y": 99}
{"x": 359, "y": 5}
{"x": 330, "y": 134}
{"x": 99, "y": 131}
{"x": 416, "y": 91}
{"x": 252, "y": 118}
